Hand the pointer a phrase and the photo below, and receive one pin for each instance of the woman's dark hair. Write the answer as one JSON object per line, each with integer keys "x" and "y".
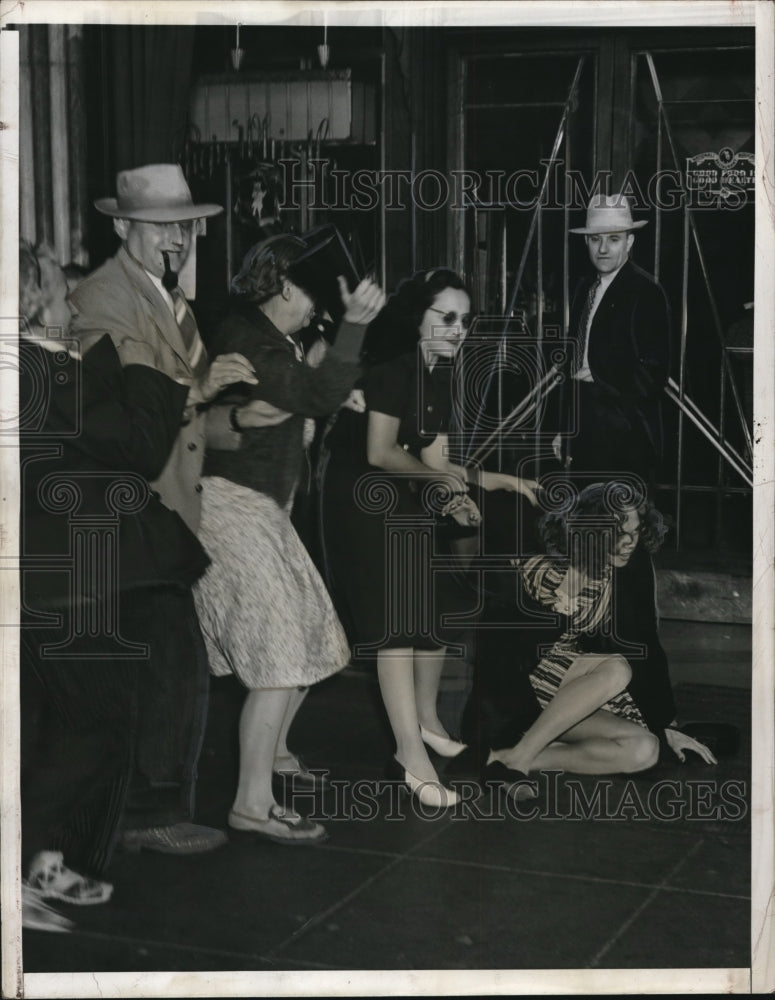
{"x": 583, "y": 530}
{"x": 396, "y": 329}
{"x": 265, "y": 267}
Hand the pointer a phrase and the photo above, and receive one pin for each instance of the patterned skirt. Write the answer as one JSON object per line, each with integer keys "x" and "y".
{"x": 548, "y": 675}
{"x": 264, "y": 611}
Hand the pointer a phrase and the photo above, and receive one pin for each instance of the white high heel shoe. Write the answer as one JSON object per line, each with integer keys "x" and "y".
{"x": 443, "y": 745}
{"x": 430, "y": 793}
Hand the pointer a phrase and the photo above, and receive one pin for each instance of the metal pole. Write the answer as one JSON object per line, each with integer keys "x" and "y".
{"x": 229, "y": 248}
{"x": 531, "y": 232}
{"x": 701, "y": 258}
{"x": 681, "y": 375}
{"x": 658, "y": 221}
{"x": 705, "y": 427}
{"x": 540, "y": 311}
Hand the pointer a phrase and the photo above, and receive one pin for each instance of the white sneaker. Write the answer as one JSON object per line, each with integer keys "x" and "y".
{"x": 50, "y": 878}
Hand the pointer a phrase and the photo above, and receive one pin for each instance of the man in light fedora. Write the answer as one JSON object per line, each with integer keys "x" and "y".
{"x": 135, "y": 299}
{"x": 620, "y": 345}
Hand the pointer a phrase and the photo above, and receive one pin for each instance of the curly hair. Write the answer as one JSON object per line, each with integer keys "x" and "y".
{"x": 266, "y": 266}
{"x": 396, "y": 329}
{"x": 584, "y": 531}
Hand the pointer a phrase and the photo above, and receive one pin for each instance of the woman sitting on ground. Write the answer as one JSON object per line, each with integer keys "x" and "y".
{"x": 589, "y": 722}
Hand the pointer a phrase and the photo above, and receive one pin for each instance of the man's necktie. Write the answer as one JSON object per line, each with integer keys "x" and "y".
{"x": 587, "y": 310}
{"x": 189, "y": 332}
{"x": 583, "y": 328}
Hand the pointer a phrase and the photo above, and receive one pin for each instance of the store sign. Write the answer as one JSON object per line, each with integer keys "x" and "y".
{"x": 271, "y": 107}
{"x": 720, "y": 180}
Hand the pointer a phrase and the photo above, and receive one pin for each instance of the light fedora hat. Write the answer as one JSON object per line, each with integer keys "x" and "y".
{"x": 154, "y": 193}
{"x": 609, "y": 213}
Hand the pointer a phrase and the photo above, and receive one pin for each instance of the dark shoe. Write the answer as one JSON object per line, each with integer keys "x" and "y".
{"x": 516, "y": 784}
{"x": 182, "y": 838}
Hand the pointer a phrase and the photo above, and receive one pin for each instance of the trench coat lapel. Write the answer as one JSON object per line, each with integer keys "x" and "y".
{"x": 156, "y": 309}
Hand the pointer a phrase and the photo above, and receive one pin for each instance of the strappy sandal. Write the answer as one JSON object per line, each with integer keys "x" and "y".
{"x": 312, "y": 833}
{"x": 50, "y": 878}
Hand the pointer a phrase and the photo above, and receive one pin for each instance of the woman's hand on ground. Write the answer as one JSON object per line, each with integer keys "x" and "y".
{"x": 362, "y": 305}
{"x": 678, "y": 742}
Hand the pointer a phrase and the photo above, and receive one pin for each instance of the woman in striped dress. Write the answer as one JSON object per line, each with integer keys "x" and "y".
{"x": 589, "y": 722}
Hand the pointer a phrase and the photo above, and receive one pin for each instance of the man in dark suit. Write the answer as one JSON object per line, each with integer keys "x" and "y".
{"x": 620, "y": 332}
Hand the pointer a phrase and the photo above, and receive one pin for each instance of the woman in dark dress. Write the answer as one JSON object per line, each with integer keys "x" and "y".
{"x": 95, "y": 633}
{"x": 377, "y": 491}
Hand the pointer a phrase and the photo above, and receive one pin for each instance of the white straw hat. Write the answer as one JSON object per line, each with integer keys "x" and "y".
{"x": 609, "y": 213}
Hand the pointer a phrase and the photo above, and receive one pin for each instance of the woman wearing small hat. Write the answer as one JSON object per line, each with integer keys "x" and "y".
{"x": 265, "y": 612}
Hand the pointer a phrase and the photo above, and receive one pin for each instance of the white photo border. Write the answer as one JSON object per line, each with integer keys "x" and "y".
{"x": 760, "y": 977}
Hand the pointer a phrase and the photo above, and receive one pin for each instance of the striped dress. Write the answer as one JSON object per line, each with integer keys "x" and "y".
{"x": 541, "y": 576}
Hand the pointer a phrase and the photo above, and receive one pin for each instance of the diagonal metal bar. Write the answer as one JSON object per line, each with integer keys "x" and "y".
{"x": 526, "y": 248}
{"x": 701, "y": 257}
{"x": 708, "y": 430}
{"x": 519, "y": 414}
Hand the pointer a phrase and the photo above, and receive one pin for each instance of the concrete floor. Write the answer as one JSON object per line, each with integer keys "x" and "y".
{"x": 656, "y": 875}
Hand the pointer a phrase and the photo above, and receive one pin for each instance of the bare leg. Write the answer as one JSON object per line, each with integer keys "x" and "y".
{"x": 395, "y": 669}
{"x": 260, "y": 724}
{"x": 603, "y": 743}
{"x": 588, "y": 684}
{"x": 428, "y": 665}
{"x": 294, "y": 704}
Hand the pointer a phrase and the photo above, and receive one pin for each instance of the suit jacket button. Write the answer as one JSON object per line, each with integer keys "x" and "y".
{"x": 191, "y": 446}
{"x": 198, "y": 488}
